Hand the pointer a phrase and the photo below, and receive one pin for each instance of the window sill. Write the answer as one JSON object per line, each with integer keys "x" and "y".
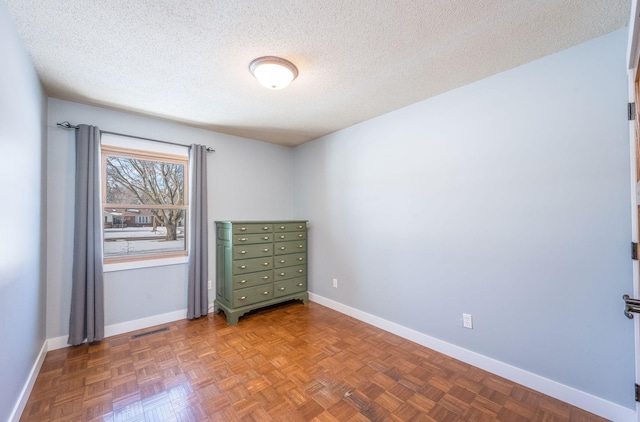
{"x": 133, "y": 265}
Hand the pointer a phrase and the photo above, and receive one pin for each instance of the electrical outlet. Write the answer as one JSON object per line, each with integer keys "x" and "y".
{"x": 209, "y": 284}
{"x": 335, "y": 283}
{"x": 467, "y": 321}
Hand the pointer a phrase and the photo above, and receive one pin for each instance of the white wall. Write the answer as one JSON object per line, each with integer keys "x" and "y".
{"x": 507, "y": 199}
{"x": 22, "y": 281}
{"x": 246, "y": 180}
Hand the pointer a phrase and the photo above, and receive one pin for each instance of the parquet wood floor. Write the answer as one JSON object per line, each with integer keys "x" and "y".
{"x": 293, "y": 362}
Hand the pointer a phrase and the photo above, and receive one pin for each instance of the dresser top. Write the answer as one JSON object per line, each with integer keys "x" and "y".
{"x": 260, "y": 221}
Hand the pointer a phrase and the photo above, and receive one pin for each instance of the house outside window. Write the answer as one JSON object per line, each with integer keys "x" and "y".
{"x": 145, "y": 202}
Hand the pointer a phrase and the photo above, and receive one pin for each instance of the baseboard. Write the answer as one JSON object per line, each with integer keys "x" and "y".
{"x": 586, "y": 401}
{"x": 125, "y": 327}
{"x": 16, "y": 413}
{"x": 138, "y": 324}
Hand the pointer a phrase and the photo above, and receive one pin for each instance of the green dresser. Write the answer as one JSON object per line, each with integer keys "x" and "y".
{"x": 259, "y": 263}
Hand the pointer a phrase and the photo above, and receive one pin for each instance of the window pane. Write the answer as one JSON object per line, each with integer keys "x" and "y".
{"x": 143, "y": 182}
{"x": 131, "y": 232}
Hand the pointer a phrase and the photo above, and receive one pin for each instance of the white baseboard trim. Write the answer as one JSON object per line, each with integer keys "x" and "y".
{"x": 125, "y": 327}
{"x": 16, "y": 413}
{"x": 586, "y": 401}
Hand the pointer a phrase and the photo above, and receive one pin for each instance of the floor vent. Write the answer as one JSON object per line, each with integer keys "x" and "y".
{"x": 159, "y": 330}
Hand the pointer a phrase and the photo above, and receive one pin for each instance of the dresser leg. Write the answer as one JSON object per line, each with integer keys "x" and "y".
{"x": 232, "y": 319}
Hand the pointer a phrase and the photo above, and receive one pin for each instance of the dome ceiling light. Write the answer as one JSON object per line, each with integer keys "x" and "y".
{"x": 273, "y": 72}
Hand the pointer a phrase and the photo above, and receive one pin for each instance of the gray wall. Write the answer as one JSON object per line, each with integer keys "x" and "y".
{"x": 246, "y": 180}
{"x": 22, "y": 282}
{"x": 508, "y": 199}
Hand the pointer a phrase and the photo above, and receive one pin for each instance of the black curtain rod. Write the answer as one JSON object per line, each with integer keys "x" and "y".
{"x": 68, "y": 125}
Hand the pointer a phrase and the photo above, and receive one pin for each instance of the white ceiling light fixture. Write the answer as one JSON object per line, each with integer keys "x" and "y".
{"x": 273, "y": 72}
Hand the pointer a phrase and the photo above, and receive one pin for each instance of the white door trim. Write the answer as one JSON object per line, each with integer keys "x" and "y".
{"x": 633, "y": 55}
{"x": 634, "y": 229}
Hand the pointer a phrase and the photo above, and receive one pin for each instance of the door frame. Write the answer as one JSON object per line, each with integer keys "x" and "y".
{"x": 633, "y": 62}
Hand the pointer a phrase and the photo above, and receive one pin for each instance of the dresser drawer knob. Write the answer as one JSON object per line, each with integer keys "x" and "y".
{"x": 283, "y": 237}
{"x": 265, "y": 264}
{"x": 301, "y": 259}
{"x": 282, "y": 261}
{"x": 282, "y": 274}
{"x": 243, "y": 229}
{"x": 300, "y": 227}
{"x": 281, "y": 288}
{"x": 300, "y": 271}
{"x": 265, "y": 250}
{"x": 243, "y": 239}
{"x": 265, "y": 293}
{"x": 265, "y": 228}
{"x": 300, "y": 236}
{"x": 300, "y": 246}
{"x": 265, "y": 277}
{"x": 242, "y": 267}
{"x": 243, "y": 252}
{"x": 243, "y": 281}
{"x": 282, "y": 248}
{"x": 265, "y": 238}
{"x": 300, "y": 284}
{"x": 281, "y": 227}
{"x": 243, "y": 297}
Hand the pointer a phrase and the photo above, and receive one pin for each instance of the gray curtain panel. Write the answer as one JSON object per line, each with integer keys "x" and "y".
{"x": 198, "y": 295}
{"x": 86, "y": 320}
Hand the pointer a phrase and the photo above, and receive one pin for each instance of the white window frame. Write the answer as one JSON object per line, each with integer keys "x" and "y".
{"x": 126, "y": 142}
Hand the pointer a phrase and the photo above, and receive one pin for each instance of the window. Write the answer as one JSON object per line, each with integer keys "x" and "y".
{"x": 143, "y": 219}
{"x": 145, "y": 204}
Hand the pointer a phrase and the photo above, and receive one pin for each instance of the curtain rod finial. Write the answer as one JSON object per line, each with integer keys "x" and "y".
{"x": 66, "y": 125}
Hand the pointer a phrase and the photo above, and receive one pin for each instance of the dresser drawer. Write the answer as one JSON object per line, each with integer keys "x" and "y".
{"x": 293, "y": 246}
{"x": 250, "y": 295}
{"x": 289, "y": 272}
{"x": 287, "y": 287}
{"x": 252, "y": 251}
{"x": 252, "y": 228}
{"x": 289, "y": 260}
{"x": 246, "y": 239}
{"x": 289, "y": 227}
{"x": 252, "y": 279}
{"x": 281, "y": 237}
{"x": 244, "y": 266}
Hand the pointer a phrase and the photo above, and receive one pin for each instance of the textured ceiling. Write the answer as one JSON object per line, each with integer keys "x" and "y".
{"x": 187, "y": 61}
